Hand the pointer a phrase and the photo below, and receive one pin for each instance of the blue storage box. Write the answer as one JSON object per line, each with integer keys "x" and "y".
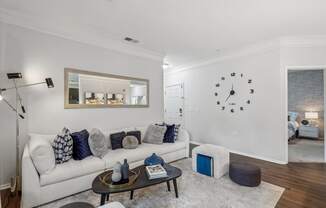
{"x": 205, "y": 165}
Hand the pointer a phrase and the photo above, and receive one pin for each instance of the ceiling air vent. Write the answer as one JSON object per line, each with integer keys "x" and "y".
{"x": 131, "y": 40}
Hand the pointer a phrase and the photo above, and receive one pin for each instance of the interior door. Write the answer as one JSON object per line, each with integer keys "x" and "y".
{"x": 174, "y": 104}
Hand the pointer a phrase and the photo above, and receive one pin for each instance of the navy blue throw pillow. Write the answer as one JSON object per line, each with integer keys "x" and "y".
{"x": 81, "y": 148}
{"x": 116, "y": 140}
{"x": 169, "y": 136}
{"x": 136, "y": 134}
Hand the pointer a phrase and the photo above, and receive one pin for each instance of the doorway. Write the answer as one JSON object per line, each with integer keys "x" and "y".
{"x": 305, "y": 96}
{"x": 174, "y": 104}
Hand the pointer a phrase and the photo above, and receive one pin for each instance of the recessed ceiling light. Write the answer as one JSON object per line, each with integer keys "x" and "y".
{"x": 131, "y": 40}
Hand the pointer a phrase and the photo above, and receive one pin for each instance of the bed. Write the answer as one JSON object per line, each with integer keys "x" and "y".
{"x": 293, "y": 124}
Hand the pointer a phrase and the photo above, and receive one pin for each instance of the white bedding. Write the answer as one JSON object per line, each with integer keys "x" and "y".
{"x": 292, "y": 128}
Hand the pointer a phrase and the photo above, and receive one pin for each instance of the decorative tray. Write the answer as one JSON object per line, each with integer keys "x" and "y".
{"x": 106, "y": 180}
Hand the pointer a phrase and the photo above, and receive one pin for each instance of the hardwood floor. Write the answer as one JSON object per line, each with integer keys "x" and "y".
{"x": 304, "y": 183}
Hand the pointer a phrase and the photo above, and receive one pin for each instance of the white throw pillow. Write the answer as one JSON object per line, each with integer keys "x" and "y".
{"x": 97, "y": 143}
{"x": 155, "y": 134}
{"x": 42, "y": 154}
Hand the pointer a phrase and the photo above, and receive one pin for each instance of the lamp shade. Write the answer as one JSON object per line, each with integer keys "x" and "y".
{"x": 311, "y": 115}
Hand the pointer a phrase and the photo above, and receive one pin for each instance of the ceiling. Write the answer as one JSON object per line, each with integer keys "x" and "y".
{"x": 181, "y": 30}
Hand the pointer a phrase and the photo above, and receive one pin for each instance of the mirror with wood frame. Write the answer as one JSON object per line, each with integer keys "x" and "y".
{"x": 85, "y": 89}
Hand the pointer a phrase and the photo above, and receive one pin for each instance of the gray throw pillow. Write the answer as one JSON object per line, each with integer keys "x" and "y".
{"x": 97, "y": 143}
{"x": 155, "y": 134}
{"x": 130, "y": 142}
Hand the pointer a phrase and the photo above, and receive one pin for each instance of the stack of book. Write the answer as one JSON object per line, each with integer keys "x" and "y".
{"x": 156, "y": 171}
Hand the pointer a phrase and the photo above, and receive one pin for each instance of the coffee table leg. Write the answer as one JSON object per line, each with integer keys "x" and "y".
{"x": 168, "y": 184}
{"x": 131, "y": 195}
{"x": 175, "y": 188}
{"x": 103, "y": 196}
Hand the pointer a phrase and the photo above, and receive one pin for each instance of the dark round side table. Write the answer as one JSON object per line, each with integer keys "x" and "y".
{"x": 78, "y": 205}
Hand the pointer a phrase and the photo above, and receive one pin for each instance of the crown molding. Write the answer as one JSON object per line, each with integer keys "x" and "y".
{"x": 15, "y": 18}
{"x": 229, "y": 54}
{"x": 304, "y": 41}
{"x": 288, "y": 41}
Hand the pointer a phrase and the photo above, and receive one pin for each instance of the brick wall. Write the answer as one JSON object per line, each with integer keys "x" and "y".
{"x": 306, "y": 93}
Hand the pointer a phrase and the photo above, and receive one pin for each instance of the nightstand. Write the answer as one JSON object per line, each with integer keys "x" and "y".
{"x": 309, "y": 131}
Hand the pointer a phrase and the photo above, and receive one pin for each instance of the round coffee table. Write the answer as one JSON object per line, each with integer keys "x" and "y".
{"x": 78, "y": 205}
{"x": 141, "y": 182}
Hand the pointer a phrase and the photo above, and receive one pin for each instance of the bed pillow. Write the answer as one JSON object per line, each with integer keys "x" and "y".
{"x": 42, "y": 154}
{"x": 155, "y": 134}
{"x": 62, "y": 146}
{"x": 97, "y": 143}
{"x": 293, "y": 115}
{"x": 116, "y": 140}
{"x": 81, "y": 148}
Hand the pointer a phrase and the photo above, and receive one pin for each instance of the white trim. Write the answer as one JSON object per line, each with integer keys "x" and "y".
{"x": 17, "y": 19}
{"x": 5, "y": 186}
{"x": 302, "y": 41}
{"x": 248, "y": 155}
{"x": 259, "y": 157}
{"x": 287, "y": 68}
{"x": 230, "y": 54}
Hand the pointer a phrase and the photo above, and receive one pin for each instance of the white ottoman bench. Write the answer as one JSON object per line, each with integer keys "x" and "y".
{"x": 220, "y": 156}
{"x": 112, "y": 205}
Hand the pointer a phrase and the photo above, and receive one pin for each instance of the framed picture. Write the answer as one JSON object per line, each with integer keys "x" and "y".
{"x": 94, "y": 98}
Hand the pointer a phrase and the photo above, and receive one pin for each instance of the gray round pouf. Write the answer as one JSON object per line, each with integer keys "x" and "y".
{"x": 130, "y": 142}
{"x": 245, "y": 174}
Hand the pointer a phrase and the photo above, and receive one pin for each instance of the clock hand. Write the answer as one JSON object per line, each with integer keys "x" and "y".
{"x": 228, "y": 97}
{"x": 232, "y": 87}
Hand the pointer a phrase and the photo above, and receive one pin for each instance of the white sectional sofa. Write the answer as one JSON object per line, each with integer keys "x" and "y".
{"x": 77, "y": 176}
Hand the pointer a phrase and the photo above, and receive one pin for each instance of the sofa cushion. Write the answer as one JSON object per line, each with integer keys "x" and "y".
{"x": 169, "y": 134}
{"x": 141, "y": 152}
{"x": 97, "y": 143}
{"x": 72, "y": 169}
{"x": 155, "y": 134}
{"x": 62, "y": 146}
{"x": 116, "y": 140}
{"x": 42, "y": 154}
{"x": 130, "y": 142}
{"x": 81, "y": 148}
{"x": 136, "y": 134}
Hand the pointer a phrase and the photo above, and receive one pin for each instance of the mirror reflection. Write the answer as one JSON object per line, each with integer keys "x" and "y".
{"x": 89, "y": 89}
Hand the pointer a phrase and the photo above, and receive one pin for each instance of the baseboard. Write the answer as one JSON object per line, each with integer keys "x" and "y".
{"x": 248, "y": 155}
{"x": 259, "y": 157}
{"x": 5, "y": 186}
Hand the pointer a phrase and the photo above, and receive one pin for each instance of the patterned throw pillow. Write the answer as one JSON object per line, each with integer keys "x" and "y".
{"x": 62, "y": 146}
{"x": 176, "y": 131}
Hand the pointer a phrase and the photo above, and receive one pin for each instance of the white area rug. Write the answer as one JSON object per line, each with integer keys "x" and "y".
{"x": 195, "y": 190}
{"x": 306, "y": 150}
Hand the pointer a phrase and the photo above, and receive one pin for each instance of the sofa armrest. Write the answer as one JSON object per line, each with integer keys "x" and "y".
{"x": 185, "y": 137}
{"x": 31, "y": 189}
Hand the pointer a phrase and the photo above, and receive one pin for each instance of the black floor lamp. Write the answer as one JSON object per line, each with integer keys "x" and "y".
{"x": 14, "y": 77}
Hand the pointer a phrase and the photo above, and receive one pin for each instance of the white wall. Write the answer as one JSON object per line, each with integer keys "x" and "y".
{"x": 311, "y": 56}
{"x": 257, "y": 131}
{"x": 39, "y": 55}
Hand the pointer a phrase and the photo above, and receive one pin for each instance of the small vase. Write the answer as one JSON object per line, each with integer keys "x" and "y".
{"x": 125, "y": 170}
{"x": 116, "y": 175}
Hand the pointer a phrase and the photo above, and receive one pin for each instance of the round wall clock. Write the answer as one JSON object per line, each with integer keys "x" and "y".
{"x": 234, "y": 92}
